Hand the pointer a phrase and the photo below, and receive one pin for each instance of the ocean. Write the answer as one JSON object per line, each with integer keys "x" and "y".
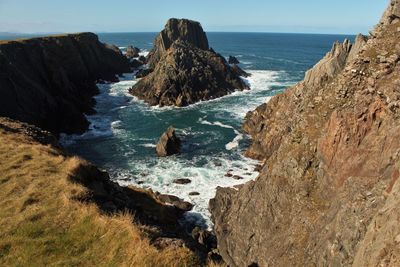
{"x": 124, "y": 131}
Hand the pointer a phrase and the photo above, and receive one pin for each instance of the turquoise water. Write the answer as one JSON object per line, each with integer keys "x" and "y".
{"x": 125, "y": 130}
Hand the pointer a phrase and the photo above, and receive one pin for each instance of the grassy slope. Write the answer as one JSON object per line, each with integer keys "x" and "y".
{"x": 42, "y": 225}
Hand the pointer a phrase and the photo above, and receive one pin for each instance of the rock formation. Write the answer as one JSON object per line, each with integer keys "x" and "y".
{"x": 169, "y": 143}
{"x": 328, "y": 191}
{"x": 233, "y": 60}
{"x": 184, "y": 70}
{"x": 184, "y": 30}
{"x": 132, "y": 52}
{"x": 50, "y": 81}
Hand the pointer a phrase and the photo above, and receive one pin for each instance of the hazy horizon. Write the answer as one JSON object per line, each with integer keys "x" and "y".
{"x": 288, "y": 16}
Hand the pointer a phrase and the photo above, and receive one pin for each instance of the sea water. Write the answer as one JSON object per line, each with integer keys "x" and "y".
{"x": 124, "y": 131}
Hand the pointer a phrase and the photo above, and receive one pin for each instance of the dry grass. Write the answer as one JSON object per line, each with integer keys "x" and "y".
{"x": 41, "y": 225}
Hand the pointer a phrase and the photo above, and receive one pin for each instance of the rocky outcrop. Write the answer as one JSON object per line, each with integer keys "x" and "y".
{"x": 233, "y": 60}
{"x": 183, "y": 70}
{"x": 132, "y": 52}
{"x": 50, "y": 81}
{"x": 328, "y": 189}
{"x": 334, "y": 61}
{"x": 169, "y": 144}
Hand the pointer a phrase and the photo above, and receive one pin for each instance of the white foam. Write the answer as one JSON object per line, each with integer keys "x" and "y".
{"x": 148, "y": 145}
{"x": 235, "y": 142}
{"x": 112, "y": 96}
{"x": 160, "y": 173}
{"x": 144, "y": 53}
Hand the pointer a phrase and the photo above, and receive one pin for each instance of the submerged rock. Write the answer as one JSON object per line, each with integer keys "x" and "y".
{"x": 169, "y": 143}
{"x": 182, "y": 181}
{"x": 184, "y": 69}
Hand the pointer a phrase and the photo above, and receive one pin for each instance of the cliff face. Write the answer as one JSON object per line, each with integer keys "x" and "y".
{"x": 327, "y": 194}
{"x": 184, "y": 69}
{"x": 50, "y": 81}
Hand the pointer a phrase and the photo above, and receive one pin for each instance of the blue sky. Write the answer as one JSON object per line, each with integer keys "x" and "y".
{"x": 310, "y": 16}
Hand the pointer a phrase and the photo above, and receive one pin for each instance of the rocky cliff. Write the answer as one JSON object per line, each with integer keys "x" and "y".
{"x": 327, "y": 194}
{"x": 50, "y": 81}
{"x": 184, "y": 70}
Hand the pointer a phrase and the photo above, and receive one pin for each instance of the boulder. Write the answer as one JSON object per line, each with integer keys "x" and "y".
{"x": 233, "y": 60}
{"x": 169, "y": 143}
{"x": 176, "y": 202}
{"x": 132, "y": 52}
{"x": 182, "y": 181}
{"x": 185, "y": 70}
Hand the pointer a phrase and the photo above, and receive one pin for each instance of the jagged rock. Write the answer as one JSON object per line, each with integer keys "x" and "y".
{"x": 204, "y": 238}
{"x": 184, "y": 30}
{"x": 328, "y": 193}
{"x": 334, "y": 61}
{"x": 185, "y": 69}
{"x": 132, "y": 52}
{"x": 168, "y": 144}
{"x": 239, "y": 72}
{"x": 233, "y": 60}
{"x": 54, "y": 78}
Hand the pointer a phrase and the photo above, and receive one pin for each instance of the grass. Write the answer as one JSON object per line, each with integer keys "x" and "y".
{"x": 41, "y": 224}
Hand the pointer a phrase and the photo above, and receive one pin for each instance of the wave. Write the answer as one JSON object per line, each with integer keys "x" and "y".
{"x": 159, "y": 174}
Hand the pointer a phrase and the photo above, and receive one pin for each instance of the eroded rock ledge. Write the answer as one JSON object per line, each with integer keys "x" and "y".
{"x": 327, "y": 194}
{"x": 184, "y": 70}
{"x": 50, "y": 81}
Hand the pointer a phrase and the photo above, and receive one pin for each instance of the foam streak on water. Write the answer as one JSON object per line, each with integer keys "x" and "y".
{"x": 124, "y": 132}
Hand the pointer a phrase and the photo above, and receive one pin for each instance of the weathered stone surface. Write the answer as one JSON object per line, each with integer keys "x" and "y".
{"x": 328, "y": 192}
{"x": 50, "y": 81}
{"x": 334, "y": 61}
{"x": 183, "y": 70}
{"x": 169, "y": 143}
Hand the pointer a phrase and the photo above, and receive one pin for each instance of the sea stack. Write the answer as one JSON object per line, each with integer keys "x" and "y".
{"x": 184, "y": 69}
{"x": 169, "y": 144}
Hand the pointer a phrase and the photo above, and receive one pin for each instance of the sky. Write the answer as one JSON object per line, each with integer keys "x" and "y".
{"x": 294, "y": 16}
